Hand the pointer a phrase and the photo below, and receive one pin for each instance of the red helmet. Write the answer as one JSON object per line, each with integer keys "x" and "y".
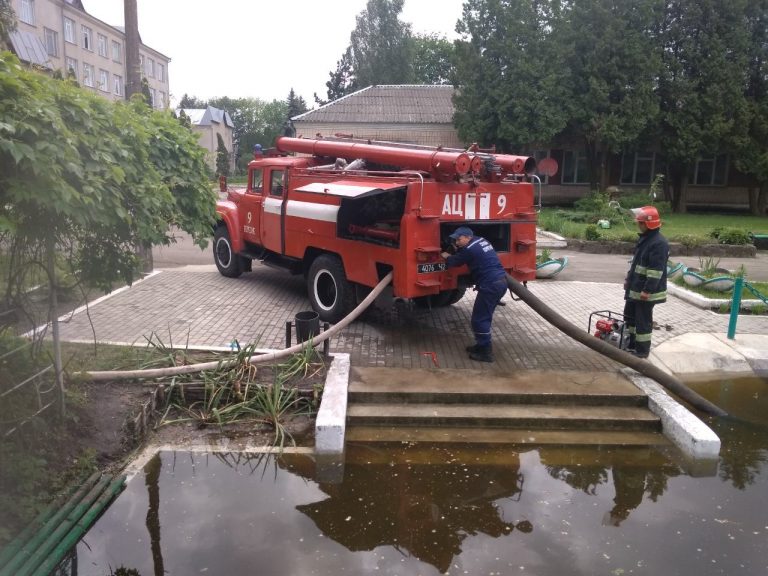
{"x": 648, "y": 215}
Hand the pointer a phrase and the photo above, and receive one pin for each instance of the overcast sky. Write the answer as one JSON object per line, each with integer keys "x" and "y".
{"x": 259, "y": 48}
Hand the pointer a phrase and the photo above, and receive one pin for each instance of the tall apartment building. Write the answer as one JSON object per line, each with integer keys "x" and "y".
{"x": 61, "y": 35}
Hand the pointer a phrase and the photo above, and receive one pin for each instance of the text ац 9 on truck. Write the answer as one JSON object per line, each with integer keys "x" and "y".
{"x": 344, "y": 213}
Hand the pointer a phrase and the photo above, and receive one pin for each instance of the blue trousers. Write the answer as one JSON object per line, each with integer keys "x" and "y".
{"x": 488, "y": 297}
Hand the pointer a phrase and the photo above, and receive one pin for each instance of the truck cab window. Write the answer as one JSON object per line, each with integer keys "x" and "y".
{"x": 277, "y": 182}
{"x": 256, "y": 181}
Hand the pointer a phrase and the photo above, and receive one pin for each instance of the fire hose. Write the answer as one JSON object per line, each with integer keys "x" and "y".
{"x": 109, "y": 375}
{"x": 668, "y": 381}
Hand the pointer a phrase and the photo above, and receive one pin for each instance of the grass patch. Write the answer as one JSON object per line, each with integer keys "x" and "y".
{"x": 690, "y": 229}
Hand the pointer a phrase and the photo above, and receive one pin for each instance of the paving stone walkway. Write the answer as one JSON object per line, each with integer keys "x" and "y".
{"x": 196, "y": 305}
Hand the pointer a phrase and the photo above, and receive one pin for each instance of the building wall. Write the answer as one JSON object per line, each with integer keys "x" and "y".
{"x": 208, "y": 140}
{"x": 423, "y": 134}
{"x": 51, "y": 15}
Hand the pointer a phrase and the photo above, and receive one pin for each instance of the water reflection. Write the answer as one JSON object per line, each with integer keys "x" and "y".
{"x": 428, "y": 510}
{"x": 423, "y": 509}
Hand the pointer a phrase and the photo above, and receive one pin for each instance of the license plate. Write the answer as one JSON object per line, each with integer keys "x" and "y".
{"x": 427, "y": 268}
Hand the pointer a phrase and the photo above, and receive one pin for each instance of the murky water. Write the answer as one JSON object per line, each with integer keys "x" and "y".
{"x": 413, "y": 510}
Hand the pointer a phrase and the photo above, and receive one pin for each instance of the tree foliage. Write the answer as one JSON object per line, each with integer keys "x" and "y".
{"x": 610, "y": 53}
{"x": 296, "y": 104}
{"x": 510, "y": 74}
{"x": 222, "y": 157}
{"x": 7, "y": 22}
{"x": 380, "y": 45}
{"x": 94, "y": 177}
{"x": 432, "y": 61}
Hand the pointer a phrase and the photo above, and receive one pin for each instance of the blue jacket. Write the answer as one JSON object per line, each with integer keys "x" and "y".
{"x": 483, "y": 262}
{"x": 648, "y": 271}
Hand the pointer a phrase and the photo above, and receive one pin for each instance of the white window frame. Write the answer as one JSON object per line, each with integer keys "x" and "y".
{"x": 152, "y": 97}
{"x": 27, "y": 11}
{"x": 69, "y": 30}
{"x": 712, "y": 172}
{"x": 161, "y": 103}
{"x": 87, "y": 37}
{"x": 161, "y": 72}
{"x": 103, "y": 44}
{"x": 639, "y": 156}
{"x": 103, "y": 80}
{"x": 577, "y": 156}
{"x": 70, "y": 63}
{"x": 51, "y": 42}
{"x": 87, "y": 75}
{"x": 117, "y": 85}
{"x": 150, "y": 68}
{"x": 117, "y": 51}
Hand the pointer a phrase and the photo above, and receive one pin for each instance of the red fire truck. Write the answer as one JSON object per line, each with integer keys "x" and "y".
{"x": 344, "y": 213}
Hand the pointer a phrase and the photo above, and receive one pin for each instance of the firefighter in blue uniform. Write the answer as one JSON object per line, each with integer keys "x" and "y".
{"x": 646, "y": 282}
{"x": 489, "y": 278}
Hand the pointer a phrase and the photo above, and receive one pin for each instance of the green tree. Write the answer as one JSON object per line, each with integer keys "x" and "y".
{"x": 192, "y": 102}
{"x": 752, "y": 151}
{"x": 510, "y": 75}
{"x": 432, "y": 59}
{"x": 222, "y": 157}
{"x": 92, "y": 177}
{"x": 380, "y": 45}
{"x": 342, "y": 81}
{"x": 7, "y": 22}
{"x": 613, "y": 69}
{"x": 701, "y": 87}
{"x": 296, "y": 104}
{"x": 145, "y": 91}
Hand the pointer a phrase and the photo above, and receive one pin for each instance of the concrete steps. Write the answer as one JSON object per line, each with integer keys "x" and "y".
{"x": 528, "y": 407}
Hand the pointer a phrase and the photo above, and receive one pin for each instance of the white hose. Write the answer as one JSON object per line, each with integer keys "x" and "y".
{"x": 110, "y": 375}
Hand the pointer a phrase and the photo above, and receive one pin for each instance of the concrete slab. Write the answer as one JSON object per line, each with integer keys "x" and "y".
{"x": 754, "y": 348}
{"x": 697, "y": 353}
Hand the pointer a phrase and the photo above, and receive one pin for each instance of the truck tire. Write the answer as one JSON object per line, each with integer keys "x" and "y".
{"x": 228, "y": 263}
{"x": 331, "y": 294}
{"x": 456, "y": 295}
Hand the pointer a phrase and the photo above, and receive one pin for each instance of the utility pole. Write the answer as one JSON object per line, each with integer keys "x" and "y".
{"x": 133, "y": 71}
{"x": 133, "y": 86}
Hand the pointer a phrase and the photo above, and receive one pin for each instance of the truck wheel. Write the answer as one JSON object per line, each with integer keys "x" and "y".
{"x": 456, "y": 295}
{"x": 331, "y": 294}
{"x": 228, "y": 263}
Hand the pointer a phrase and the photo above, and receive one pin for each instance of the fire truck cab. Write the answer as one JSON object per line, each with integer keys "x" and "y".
{"x": 347, "y": 212}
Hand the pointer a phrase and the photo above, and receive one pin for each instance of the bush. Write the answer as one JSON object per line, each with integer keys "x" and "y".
{"x": 730, "y": 235}
{"x": 592, "y": 232}
{"x": 689, "y": 240}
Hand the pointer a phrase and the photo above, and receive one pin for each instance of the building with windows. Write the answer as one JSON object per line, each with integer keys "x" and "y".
{"x": 210, "y": 123}
{"x": 423, "y": 114}
{"x": 61, "y": 35}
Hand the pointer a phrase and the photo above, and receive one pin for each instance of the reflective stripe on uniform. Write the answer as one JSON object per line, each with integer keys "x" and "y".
{"x": 641, "y": 270}
{"x": 654, "y": 273}
{"x": 653, "y": 297}
{"x": 643, "y": 337}
{"x": 631, "y": 330}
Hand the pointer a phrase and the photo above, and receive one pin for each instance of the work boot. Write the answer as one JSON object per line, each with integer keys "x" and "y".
{"x": 482, "y": 354}
{"x": 473, "y": 348}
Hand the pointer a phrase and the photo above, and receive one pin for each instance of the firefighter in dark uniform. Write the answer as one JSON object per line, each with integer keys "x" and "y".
{"x": 646, "y": 282}
{"x": 489, "y": 278}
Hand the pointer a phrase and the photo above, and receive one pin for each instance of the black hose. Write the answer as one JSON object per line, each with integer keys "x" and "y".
{"x": 670, "y": 382}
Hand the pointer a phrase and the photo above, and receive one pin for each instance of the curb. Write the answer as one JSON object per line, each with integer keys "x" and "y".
{"x": 706, "y": 303}
{"x": 330, "y": 424}
{"x": 694, "y": 438}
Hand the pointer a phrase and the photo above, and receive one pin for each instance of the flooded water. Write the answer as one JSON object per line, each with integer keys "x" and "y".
{"x": 424, "y": 510}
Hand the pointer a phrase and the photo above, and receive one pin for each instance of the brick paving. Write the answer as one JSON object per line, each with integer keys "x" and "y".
{"x": 198, "y": 306}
